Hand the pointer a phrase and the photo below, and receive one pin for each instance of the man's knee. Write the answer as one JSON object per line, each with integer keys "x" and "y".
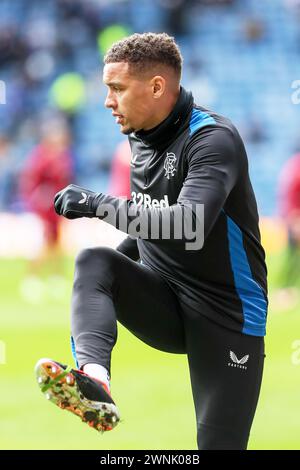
{"x": 99, "y": 256}
{"x": 96, "y": 267}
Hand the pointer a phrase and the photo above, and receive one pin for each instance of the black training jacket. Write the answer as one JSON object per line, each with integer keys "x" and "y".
{"x": 197, "y": 157}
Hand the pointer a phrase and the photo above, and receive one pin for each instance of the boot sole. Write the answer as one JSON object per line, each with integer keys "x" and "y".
{"x": 59, "y": 386}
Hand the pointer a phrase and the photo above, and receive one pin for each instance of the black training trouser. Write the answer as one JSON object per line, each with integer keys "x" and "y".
{"x": 108, "y": 287}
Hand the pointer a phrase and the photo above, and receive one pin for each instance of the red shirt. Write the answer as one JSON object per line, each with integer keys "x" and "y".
{"x": 289, "y": 189}
{"x": 120, "y": 172}
{"x": 46, "y": 172}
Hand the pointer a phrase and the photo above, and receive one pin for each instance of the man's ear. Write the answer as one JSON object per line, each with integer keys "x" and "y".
{"x": 158, "y": 84}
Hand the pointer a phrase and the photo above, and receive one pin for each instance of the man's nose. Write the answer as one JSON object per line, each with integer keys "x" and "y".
{"x": 110, "y": 102}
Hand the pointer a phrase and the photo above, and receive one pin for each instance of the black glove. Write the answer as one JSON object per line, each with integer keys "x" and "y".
{"x": 73, "y": 202}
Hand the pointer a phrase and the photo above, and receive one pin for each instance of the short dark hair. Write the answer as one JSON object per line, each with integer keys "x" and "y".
{"x": 143, "y": 51}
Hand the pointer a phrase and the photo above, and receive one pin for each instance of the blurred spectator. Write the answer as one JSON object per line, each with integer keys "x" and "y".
{"x": 289, "y": 203}
{"x": 253, "y": 129}
{"x": 175, "y": 12}
{"x": 12, "y": 48}
{"x": 47, "y": 170}
{"x": 8, "y": 175}
{"x": 254, "y": 30}
{"x": 120, "y": 171}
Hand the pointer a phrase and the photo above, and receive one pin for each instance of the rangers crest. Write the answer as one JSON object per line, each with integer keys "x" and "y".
{"x": 169, "y": 165}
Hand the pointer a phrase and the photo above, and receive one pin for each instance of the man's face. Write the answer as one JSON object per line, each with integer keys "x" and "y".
{"x": 130, "y": 97}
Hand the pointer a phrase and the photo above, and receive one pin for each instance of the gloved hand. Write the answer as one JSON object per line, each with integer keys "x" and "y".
{"x": 73, "y": 202}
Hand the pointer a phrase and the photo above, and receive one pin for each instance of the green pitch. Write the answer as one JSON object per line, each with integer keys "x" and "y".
{"x": 151, "y": 388}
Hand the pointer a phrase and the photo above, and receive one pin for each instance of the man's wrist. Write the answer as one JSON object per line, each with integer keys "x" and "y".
{"x": 96, "y": 202}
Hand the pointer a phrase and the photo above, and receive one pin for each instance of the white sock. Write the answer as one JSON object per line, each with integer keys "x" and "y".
{"x": 97, "y": 372}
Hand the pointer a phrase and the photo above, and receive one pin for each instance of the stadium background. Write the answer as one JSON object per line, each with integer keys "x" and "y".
{"x": 241, "y": 58}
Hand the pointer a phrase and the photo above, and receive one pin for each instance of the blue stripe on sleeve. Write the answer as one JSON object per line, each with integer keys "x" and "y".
{"x": 200, "y": 119}
{"x": 250, "y": 292}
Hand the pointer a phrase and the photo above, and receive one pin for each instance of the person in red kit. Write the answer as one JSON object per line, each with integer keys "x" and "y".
{"x": 46, "y": 170}
{"x": 120, "y": 171}
{"x": 289, "y": 204}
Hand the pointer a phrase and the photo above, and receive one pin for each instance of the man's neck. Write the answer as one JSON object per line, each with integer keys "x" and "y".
{"x": 164, "y": 111}
{"x": 168, "y": 123}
